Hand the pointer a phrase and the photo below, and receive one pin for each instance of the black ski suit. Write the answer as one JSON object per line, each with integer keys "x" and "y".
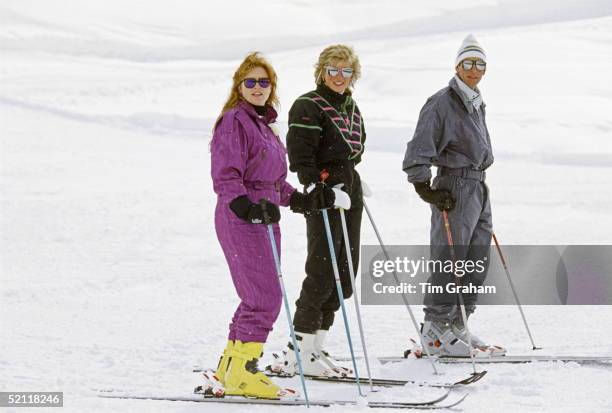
{"x": 326, "y": 133}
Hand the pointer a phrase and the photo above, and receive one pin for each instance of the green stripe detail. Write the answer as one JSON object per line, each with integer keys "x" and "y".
{"x": 299, "y": 125}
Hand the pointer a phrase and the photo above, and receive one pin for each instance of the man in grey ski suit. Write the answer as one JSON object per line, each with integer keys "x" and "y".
{"x": 452, "y": 135}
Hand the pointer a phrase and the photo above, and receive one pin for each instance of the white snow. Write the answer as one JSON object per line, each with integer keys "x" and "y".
{"x": 111, "y": 274}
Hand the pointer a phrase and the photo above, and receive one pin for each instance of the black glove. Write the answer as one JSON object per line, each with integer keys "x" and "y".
{"x": 442, "y": 199}
{"x": 253, "y": 213}
{"x": 321, "y": 197}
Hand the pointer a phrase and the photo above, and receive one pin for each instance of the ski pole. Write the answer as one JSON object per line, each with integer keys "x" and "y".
{"x": 406, "y": 303}
{"x": 451, "y": 245}
{"x": 349, "y": 258}
{"x": 298, "y": 357}
{"x": 518, "y": 303}
{"x": 332, "y": 254}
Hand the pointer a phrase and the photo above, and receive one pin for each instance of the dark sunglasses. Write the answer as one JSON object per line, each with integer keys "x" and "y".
{"x": 481, "y": 65}
{"x": 333, "y": 71}
{"x": 250, "y": 82}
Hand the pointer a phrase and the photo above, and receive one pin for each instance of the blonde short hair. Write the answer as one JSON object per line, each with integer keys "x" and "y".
{"x": 331, "y": 55}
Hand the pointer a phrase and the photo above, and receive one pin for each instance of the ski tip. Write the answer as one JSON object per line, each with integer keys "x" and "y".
{"x": 474, "y": 377}
{"x": 450, "y": 405}
{"x": 460, "y": 400}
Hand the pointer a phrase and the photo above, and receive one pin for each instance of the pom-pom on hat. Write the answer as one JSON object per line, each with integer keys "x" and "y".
{"x": 470, "y": 48}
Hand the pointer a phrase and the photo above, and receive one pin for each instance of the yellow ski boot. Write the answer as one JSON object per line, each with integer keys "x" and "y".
{"x": 223, "y": 361}
{"x": 242, "y": 377}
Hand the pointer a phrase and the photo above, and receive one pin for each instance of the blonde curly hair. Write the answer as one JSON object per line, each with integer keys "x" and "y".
{"x": 331, "y": 55}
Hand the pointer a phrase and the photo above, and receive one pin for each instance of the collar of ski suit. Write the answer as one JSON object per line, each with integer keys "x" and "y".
{"x": 268, "y": 118}
{"x": 336, "y": 99}
{"x": 472, "y": 99}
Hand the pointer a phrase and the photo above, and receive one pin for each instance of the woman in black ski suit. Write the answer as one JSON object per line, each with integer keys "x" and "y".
{"x": 326, "y": 133}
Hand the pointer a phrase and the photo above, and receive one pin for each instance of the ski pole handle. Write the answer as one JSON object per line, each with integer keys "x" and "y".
{"x": 264, "y": 210}
{"x": 324, "y": 175}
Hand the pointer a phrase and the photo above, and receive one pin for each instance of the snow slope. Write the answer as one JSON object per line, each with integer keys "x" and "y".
{"x": 111, "y": 275}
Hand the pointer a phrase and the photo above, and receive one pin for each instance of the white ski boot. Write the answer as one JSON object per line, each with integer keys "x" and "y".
{"x": 285, "y": 363}
{"x": 212, "y": 386}
{"x": 460, "y": 331}
{"x": 327, "y": 359}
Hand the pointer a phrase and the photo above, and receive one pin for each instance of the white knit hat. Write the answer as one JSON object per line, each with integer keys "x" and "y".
{"x": 470, "y": 48}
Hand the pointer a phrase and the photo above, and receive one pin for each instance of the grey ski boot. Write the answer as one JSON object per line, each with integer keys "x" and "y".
{"x": 442, "y": 341}
{"x": 459, "y": 330}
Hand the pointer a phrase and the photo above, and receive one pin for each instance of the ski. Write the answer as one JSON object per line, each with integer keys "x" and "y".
{"x": 427, "y": 405}
{"x": 473, "y": 378}
{"x": 530, "y": 359}
{"x": 511, "y": 359}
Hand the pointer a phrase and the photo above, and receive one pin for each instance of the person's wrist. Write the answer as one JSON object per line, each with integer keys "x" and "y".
{"x": 424, "y": 190}
{"x": 421, "y": 186}
{"x": 308, "y": 176}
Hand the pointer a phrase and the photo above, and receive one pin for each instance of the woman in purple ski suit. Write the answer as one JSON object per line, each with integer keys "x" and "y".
{"x": 249, "y": 171}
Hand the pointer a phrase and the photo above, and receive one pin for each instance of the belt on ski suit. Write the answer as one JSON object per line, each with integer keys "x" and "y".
{"x": 263, "y": 185}
{"x": 466, "y": 173}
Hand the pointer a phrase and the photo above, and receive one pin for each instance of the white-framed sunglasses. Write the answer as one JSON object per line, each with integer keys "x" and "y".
{"x": 481, "y": 65}
{"x": 333, "y": 71}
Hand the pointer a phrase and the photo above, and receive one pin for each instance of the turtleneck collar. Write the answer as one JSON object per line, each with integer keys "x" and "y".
{"x": 472, "y": 99}
{"x": 268, "y": 113}
{"x": 261, "y": 110}
{"x": 332, "y": 97}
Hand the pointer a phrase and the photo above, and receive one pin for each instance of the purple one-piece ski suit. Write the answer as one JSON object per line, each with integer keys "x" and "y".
{"x": 249, "y": 159}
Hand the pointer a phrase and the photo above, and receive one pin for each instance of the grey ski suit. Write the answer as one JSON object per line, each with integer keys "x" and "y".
{"x": 452, "y": 135}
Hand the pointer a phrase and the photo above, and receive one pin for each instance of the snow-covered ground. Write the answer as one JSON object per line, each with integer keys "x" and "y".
{"x": 111, "y": 274}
